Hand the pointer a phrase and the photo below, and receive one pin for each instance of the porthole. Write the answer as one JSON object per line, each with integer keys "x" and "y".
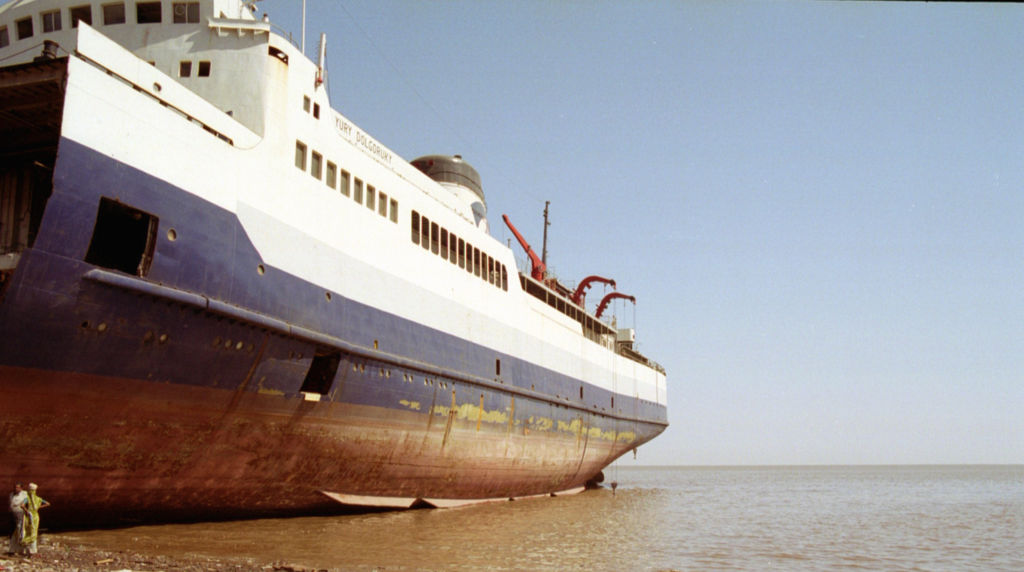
{"x": 172, "y": 234}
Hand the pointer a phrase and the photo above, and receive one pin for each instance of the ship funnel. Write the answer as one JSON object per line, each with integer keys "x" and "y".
{"x": 459, "y": 177}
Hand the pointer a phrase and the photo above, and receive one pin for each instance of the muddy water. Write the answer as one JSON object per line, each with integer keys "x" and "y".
{"x": 795, "y": 518}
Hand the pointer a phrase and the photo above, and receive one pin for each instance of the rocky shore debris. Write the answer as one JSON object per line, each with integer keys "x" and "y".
{"x": 59, "y": 556}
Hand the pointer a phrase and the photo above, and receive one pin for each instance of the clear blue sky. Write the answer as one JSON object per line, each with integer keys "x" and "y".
{"x": 817, "y": 205}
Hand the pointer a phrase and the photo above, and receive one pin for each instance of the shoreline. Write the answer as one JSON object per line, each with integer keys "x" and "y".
{"x": 57, "y": 554}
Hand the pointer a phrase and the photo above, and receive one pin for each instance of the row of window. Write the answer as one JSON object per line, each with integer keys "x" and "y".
{"x": 339, "y": 179}
{"x": 113, "y": 13}
{"x": 454, "y": 249}
{"x": 185, "y": 69}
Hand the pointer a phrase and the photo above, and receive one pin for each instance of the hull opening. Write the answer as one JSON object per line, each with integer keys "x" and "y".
{"x": 31, "y": 106}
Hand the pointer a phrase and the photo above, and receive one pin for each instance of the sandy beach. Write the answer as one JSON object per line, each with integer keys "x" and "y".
{"x": 59, "y": 555}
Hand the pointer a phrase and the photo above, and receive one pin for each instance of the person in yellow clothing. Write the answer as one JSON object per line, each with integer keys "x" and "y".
{"x": 31, "y": 506}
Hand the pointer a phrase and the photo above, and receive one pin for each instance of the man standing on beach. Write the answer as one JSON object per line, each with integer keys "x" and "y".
{"x": 17, "y": 498}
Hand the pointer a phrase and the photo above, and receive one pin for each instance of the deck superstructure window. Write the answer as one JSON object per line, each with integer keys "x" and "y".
{"x": 345, "y": 182}
{"x": 80, "y": 14}
{"x": 185, "y": 69}
{"x": 113, "y": 13}
{"x": 382, "y": 202}
{"x": 357, "y": 191}
{"x": 332, "y": 175}
{"x": 24, "y": 28}
{"x": 394, "y": 211}
{"x": 371, "y": 197}
{"x": 453, "y": 248}
{"x": 51, "y": 21}
{"x": 204, "y": 69}
{"x": 147, "y": 12}
{"x": 185, "y": 12}
{"x": 124, "y": 238}
{"x": 415, "y": 227}
{"x": 300, "y": 155}
{"x": 5, "y": 39}
{"x": 425, "y": 232}
{"x": 316, "y": 164}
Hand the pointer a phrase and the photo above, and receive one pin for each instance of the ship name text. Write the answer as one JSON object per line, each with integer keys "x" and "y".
{"x": 360, "y": 139}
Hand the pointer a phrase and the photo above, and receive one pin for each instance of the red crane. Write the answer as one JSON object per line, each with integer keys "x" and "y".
{"x": 538, "y": 270}
{"x": 580, "y": 294}
{"x": 609, "y": 298}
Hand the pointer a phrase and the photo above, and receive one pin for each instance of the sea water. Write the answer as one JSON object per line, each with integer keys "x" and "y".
{"x": 667, "y": 518}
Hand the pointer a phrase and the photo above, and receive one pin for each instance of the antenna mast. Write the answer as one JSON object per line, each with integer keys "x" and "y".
{"x": 303, "y": 27}
{"x": 544, "y": 248}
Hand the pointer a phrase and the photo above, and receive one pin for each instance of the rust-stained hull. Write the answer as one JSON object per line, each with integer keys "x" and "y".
{"x": 115, "y": 450}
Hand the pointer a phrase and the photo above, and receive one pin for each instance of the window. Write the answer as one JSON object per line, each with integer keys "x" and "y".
{"x": 300, "y": 155}
{"x": 51, "y": 21}
{"x": 444, "y": 243}
{"x": 204, "y": 69}
{"x": 415, "y": 227}
{"x": 453, "y": 245}
{"x": 435, "y": 238}
{"x": 147, "y": 12}
{"x": 357, "y": 191}
{"x": 332, "y": 175}
{"x": 24, "y": 28}
{"x": 394, "y": 211}
{"x": 305, "y": 103}
{"x": 316, "y": 110}
{"x": 462, "y": 253}
{"x": 425, "y": 233}
{"x": 184, "y": 69}
{"x": 344, "y": 184}
{"x": 382, "y": 202}
{"x": 476, "y": 261}
{"x": 315, "y": 165}
{"x": 81, "y": 14}
{"x": 5, "y": 40}
{"x": 186, "y": 12}
{"x": 113, "y": 13}
{"x": 371, "y": 197}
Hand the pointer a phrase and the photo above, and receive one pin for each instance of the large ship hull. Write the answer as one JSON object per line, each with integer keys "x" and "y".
{"x": 217, "y": 384}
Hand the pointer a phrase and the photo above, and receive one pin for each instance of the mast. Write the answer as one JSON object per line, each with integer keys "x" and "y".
{"x": 544, "y": 247}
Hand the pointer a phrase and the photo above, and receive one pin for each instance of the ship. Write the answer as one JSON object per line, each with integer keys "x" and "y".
{"x": 220, "y": 297}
